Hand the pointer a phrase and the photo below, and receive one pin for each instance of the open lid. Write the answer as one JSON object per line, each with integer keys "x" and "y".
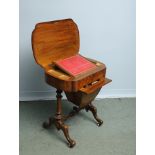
{"x": 55, "y": 40}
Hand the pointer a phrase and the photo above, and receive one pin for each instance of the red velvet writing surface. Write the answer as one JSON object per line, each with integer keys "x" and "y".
{"x": 75, "y": 65}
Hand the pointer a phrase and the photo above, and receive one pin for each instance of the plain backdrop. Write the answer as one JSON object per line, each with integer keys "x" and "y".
{"x": 107, "y": 33}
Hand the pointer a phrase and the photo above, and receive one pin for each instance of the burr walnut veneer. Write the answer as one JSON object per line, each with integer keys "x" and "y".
{"x": 55, "y": 40}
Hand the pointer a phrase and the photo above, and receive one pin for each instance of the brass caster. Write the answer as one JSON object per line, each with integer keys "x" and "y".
{"x": 99, "y": 123}
{"x": 71, "y": 144}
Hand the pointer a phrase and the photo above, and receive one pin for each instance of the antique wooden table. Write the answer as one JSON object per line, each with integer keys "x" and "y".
{"x": 57, "y": 40}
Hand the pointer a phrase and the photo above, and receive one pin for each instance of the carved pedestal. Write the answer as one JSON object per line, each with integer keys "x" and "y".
{"x": 82, "y": 101}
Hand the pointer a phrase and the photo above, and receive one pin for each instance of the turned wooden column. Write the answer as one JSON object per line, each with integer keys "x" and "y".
{"x": 58, "y": 115}
{"x": 59, "y": 123}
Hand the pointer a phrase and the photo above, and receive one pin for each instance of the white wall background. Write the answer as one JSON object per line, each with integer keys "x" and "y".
{"x": 107, "y": 32}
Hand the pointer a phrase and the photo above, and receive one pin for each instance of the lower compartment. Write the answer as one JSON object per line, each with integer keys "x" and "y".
{"x": 81, "y": 99}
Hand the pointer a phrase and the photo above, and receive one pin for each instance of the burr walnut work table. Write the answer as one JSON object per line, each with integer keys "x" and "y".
{"x": 56, "y": 40}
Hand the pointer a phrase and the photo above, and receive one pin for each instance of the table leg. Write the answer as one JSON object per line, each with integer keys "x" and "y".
{"x": 93, "y": 109}
{"x": 59, "y": 120}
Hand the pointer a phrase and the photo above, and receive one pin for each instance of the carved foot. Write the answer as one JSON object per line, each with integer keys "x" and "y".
{"x": 48, "y": 124}
{"x": 60, "y": 125}
{"x": 93, "y": 109}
